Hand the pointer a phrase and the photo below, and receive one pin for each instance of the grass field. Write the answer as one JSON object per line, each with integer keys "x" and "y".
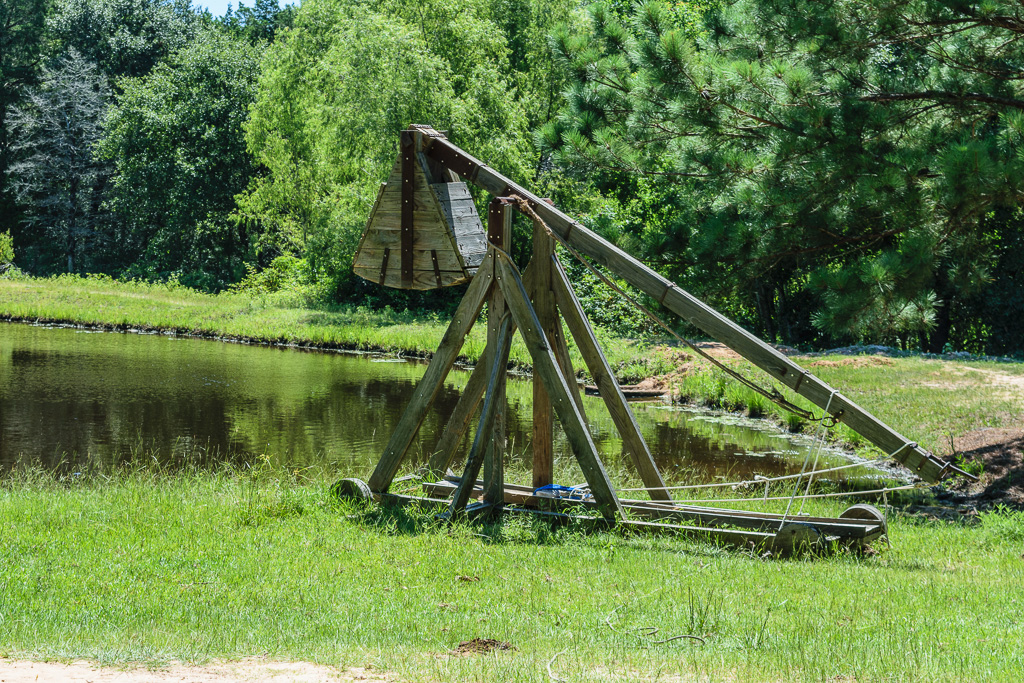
{"x": 147, "y": 566}
{"x": 154, "y": 568}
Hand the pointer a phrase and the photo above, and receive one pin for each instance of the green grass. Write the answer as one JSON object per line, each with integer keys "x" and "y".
{"x": 144, "y": 567}
{"x": 100, "y": 301}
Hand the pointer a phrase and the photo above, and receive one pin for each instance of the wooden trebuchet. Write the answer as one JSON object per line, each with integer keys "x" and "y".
{"x": 691, "y": 309}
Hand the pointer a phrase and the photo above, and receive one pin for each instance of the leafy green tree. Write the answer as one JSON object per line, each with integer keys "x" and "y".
{"x": 122, "y": 37}
{"x": 843, "y": 154}
{"x": 259, "y": 23}
{"x": 56, "y": 174}
{"x": 175, "y": 140}
{"x": 337, "y": 88}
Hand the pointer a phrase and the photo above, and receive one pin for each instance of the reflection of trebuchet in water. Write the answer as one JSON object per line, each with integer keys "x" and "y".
{"x": 424, "y": 232}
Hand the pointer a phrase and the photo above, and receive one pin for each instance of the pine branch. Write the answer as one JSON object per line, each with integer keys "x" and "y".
{"x": 943, "y": 97}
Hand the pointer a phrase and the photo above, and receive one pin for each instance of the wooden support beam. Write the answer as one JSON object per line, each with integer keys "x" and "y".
{"x": 637, "y": 509}
{"x": 499, "y": 233}
{"x": 698, "y": 313}
{"x": 409, "y": 159}
{"x": 468, "y": 402}
{"x": 609, "y": 388}
{"x": 546, "y": 369}
{"x": 483, "y": 443}
{"x": 544, "y": 305}
{"x": 440, "y": 365}
{"x": 461, "y": 416}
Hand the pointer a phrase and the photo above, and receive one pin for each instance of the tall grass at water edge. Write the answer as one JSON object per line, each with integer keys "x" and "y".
{"x": 103, "y": 302}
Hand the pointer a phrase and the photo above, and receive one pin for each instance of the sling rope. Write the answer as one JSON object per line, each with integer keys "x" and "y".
{"x": 796, "y": 487}
{"x": 750, "y": 482}
{"x": 843, "y": 494}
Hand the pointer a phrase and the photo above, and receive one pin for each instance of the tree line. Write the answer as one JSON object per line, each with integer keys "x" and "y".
{"x": 826, "y": 173}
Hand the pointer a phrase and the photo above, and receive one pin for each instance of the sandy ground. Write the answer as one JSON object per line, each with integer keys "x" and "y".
{"x": 243, "y": 671}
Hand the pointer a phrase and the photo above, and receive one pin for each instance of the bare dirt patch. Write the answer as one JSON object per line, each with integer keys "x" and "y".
{"x": 852, "y": 362}
{"x": 1011, "y": 386}
{"x": 479, "y": 646}
{"x": 243, "y": 671}
{"x": 716, "y": 350}
{"x": 1000, "y": 452}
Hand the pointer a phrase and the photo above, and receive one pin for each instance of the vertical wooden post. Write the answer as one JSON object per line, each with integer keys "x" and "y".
{"x": 499, "y": 223}
{"x": 544, "y": 305}
{"x": 408, "y": 152}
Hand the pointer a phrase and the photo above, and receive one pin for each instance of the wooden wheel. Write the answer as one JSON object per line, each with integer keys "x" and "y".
{"x": 868, "y": 513}
{"x": 798, "y": 537}
{"x": 352, "y": 489}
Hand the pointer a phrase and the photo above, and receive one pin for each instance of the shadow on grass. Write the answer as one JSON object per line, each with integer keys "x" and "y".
{"x": 522, "y": 530}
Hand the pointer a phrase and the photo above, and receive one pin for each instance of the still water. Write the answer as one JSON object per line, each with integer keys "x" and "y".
{"x": 73, "y": 399}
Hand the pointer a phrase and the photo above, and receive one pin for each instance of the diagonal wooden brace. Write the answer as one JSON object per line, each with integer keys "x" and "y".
{"x": 433, "y": 378}
{"x": 546, "y": 369}
{"x": 484, "y": 442}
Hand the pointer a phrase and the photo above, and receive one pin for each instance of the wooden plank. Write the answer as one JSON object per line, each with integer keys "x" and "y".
{"x": 446, "y": 259}
{"x": 433, "y": 378}
{"x": 452, "y": 191}
{"x": 697, "y": 313}
{"x": 499, "y": 222}
{"x": 437, "y": 268}
{"x": 459, "y": 210}
{"x": 484, "y": 445}
{"x": 422, "y": 280}
{"x": 544, "y": 305}
{"x": 384, "y": 265}
{"x": 391, "y": 202}
{"x": 423, "y": 240}
{"x": 443, "y": 214}
{"x": 611, "y": 393}
{"x": 546, "y": 368}
{"x": 408, "y": 152}
{"x": 428, "y": 218}
{"x": 474, "y": 259}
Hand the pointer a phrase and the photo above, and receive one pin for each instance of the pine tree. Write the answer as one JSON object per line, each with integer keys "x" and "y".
{"x": 56, "y": 174}
{"x": 21, "y": 43}
{"x": 845, "y": 152}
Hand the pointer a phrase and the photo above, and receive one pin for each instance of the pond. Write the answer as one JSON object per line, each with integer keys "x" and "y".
{"x": 73, "y": 399}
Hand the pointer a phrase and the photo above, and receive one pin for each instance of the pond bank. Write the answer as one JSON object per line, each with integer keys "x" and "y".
{"x": 928, "y": 400}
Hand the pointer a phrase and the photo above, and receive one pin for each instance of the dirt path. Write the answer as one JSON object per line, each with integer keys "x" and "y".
{"x": 247, "y": 670}
{"x": 1000, "y": 452}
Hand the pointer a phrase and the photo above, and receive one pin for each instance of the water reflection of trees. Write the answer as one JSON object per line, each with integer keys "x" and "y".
{"x": 101, "y": 399}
